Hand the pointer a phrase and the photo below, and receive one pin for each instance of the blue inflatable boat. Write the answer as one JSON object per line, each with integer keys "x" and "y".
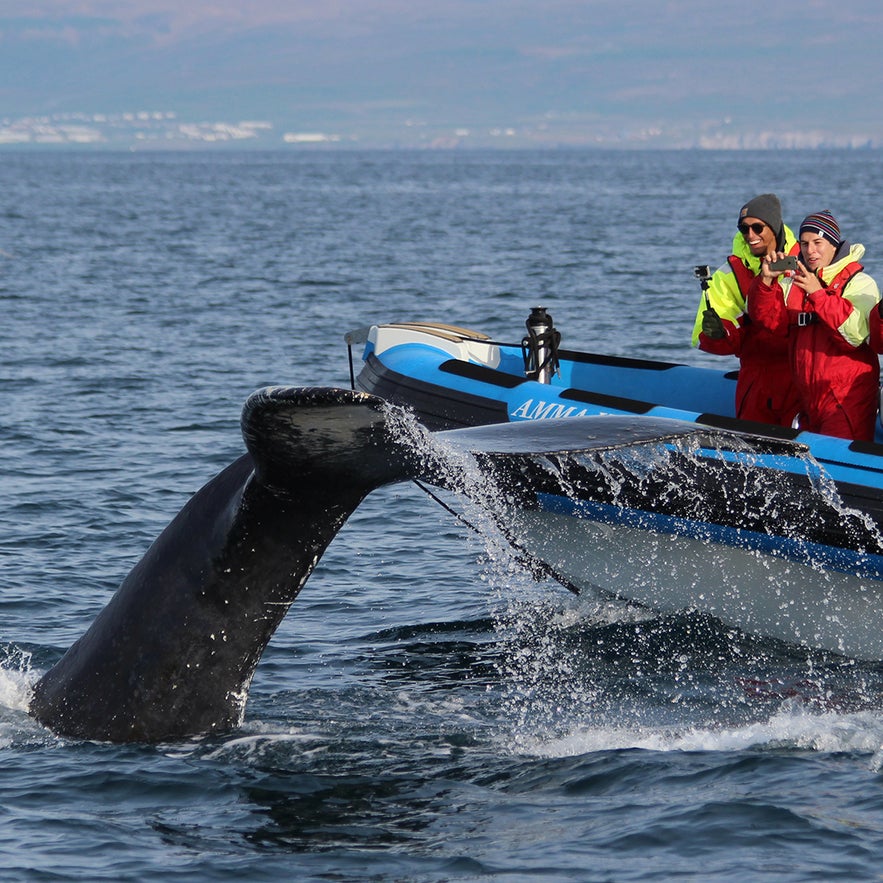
{"x": 633, "y": 477}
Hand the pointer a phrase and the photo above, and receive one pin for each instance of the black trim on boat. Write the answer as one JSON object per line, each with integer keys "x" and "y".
{"x": 634, "y": 406}
{"x": 435, "y": 406}
{"x": 719, "y": 421}
{"x": 481, "y": 373}
{"x": 619, "y": 361}
{"x": 864, "y": 447}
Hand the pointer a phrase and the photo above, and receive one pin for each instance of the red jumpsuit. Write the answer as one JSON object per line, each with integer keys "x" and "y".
{"x": 764, "y": 390}
{"x": 834, "y": 369}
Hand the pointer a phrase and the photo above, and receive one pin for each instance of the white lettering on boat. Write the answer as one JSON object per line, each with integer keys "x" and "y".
{"x": 542, "y": 411}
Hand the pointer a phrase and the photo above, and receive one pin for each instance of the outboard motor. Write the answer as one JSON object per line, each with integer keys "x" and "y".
{"x": 540, "y": 346}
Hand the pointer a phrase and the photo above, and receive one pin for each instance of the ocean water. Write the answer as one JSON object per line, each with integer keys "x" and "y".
{"x": 426, "y": 712}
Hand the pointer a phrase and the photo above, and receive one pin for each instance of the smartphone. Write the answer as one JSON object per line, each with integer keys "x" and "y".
{"x": 787, "y": 263}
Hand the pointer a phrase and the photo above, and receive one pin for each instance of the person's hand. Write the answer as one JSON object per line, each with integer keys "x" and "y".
{"x": 807, "y": 280}
{"x": 712, "y": 326}
{"x": 768, "y": 276}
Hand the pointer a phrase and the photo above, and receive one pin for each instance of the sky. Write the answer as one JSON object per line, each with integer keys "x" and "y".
{"x": 633, "y": 72}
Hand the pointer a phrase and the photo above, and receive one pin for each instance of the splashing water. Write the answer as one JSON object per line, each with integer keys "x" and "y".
{"x": 657, "y": 671}
{"x": 16, "y": 678}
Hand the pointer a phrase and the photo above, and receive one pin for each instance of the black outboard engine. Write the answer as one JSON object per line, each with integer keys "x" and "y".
{"x": 540, "y": 346}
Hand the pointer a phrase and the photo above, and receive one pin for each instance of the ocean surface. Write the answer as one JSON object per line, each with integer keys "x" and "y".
{"x": 426, "y": 712}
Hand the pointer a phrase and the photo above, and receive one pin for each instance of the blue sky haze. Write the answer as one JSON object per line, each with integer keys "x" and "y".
{"x": 381, "y": 72}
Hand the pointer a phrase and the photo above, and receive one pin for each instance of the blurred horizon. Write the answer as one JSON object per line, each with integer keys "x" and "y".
{"x": 390, "y": 73}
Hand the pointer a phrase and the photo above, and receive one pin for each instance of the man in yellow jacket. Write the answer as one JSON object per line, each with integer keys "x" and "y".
{"x": 764, "y": 390}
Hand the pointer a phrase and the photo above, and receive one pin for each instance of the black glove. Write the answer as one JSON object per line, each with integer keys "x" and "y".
{"x": 712, "y": 326}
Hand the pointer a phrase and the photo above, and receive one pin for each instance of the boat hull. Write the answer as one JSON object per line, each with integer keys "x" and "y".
{"x": 676, "y": 506}
{"x": 762, "y": 594}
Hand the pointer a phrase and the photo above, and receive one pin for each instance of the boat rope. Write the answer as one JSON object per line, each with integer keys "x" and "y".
{"x": 537, "y": 568}
{"x": 349, "y": 350}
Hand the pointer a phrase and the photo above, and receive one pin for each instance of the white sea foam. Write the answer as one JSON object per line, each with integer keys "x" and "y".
{"x": 17, "y": 680}
{"x": 255, "y": 741}
{"x": 791, "y": 727}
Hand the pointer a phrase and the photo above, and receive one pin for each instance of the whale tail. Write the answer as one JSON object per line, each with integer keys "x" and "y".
{"x": 173, "y": 652}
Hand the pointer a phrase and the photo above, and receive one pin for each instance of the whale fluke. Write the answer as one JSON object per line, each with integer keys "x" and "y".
{"x": 173, "y": 652}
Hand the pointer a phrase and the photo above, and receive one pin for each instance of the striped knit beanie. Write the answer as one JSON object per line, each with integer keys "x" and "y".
{"x": 824, "y": 224}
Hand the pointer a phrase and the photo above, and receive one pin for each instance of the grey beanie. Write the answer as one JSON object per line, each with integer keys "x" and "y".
{"x": 767, "y": 208}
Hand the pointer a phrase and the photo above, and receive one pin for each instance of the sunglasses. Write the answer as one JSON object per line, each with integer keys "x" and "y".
{"x": 744, "y": 228}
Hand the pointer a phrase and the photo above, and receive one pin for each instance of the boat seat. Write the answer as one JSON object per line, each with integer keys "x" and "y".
{"x": 448, "y": 332}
